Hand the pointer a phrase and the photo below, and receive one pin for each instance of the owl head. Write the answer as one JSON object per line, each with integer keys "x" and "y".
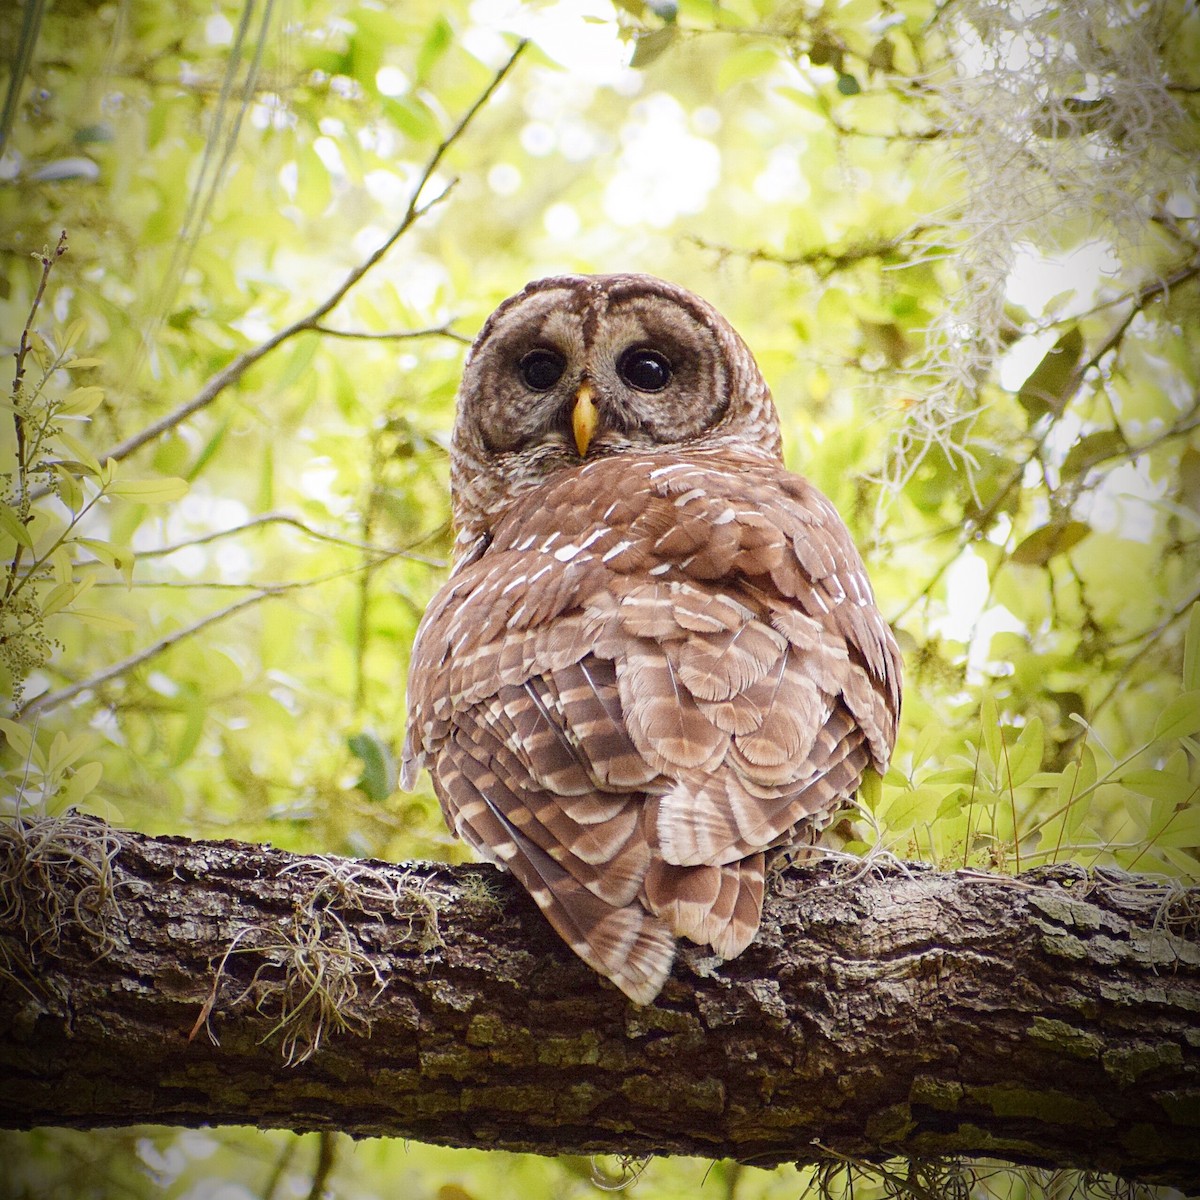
{"x": 579, "y": 367}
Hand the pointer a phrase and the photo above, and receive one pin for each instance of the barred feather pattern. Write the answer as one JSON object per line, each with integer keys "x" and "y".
{"x": 650, "y": 672}
{"x": 631, "y": 745}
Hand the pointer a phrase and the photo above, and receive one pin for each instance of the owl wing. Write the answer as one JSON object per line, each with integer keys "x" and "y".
{"x": 661, "y": 669}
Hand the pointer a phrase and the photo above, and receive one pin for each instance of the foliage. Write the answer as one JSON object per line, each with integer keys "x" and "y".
{"x": 961, "y": 238}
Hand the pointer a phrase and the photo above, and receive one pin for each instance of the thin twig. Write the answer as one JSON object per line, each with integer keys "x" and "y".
{"x": 400, "y": 335}
{"x": 278, "y": 518}
{"x": 823, "y": 259}
{"x": 48, "y": 700}
{"x": 1148, "y": 638}
{"x": 326, "y": 1157}
{"x": 1140, "y": 296}
{"x": 282, "y": 1163}
{"x": 23, "y": 496}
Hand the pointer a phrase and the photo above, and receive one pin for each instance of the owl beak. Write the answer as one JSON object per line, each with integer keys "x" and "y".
{"x": 584, "y": 418}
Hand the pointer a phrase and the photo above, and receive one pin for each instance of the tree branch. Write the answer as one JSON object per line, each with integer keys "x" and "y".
{"x": 398, "y": 335}
{"x": 824, "y": 259}
{"x": 312, "y": 321}
{"x": 1047, "y": 1019}
{"x": 46, "y": 701}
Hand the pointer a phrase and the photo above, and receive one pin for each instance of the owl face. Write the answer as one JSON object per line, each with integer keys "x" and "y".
{"x": 576, "y": 368}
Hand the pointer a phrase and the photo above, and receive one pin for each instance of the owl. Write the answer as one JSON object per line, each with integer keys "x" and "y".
{"x": 657, "y": 662}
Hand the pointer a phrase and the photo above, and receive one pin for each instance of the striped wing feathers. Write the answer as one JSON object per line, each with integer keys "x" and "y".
{"x": 661, "y": 670}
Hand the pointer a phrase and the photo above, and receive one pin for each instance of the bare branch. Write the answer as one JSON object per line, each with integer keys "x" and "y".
{"x": 824, "y": 259}
{"x": 1144, "y": 641}
{"x": 401, "y": 335}
{"x": 49, "y": 700}
{"x": 280, "y": 518}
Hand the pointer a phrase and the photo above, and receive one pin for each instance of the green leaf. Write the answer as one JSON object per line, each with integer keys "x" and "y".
{"x": 1191, "y": 650}
{"x": 1050, "y": 383}
{"x": 195, "y": 713}
{"x": 963, "y": 775}
{"x": 81, "y": 402}
{"x": 1046, "y": 779}
{"x": 1181, "y": 718}
{"x": 951, "y": 804}
{"x": 1159, "y": 785}
{"x": 378, "y": 768}
{"x": 412, "y": 117}
{"x": 649, "y": 46}
{"x": 1091, "y": 449}
{"x": 11, "y": 524}
{"x": 1074, "y": 792}
{"x": 1044, "y": 544}
{"x": 104, "y": 620}
{"x": 298, "y": 362}
{"x": 208, "y": 450}
{"x": 118, "y": 557}
{"x": 1182, "y": 827}
{"x": 437, "y": 41}
{"x": 1089, "y": 775}
{"x": 64, "y": 568}
{"x": 73, "y": 333}
{"x": 750, "y": 62}
{"x": 64, "y": 751}
{"x": 912, "y": 807}
{"x": 81, "y": 784}
{"x": 1183, "y": 862}
{"x": 1025, "y": 756}
{"x": 149, "y": 491}
{"x": 989, "y": 721}
{"x": 58, "y": 598}
{"x": 927, "y": 740}
{"x": 68, "y": 487}
{"x": 19, "y": 738}
{"x": 816, "y": 105}
{"x": 870, "y": 790}
{"x": 85, "y": 460}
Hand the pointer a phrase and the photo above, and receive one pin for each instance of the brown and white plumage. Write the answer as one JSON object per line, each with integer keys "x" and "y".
{"x": 657, "y": 660}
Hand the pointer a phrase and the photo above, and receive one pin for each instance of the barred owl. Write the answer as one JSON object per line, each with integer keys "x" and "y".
{"x": 657, "y": 661}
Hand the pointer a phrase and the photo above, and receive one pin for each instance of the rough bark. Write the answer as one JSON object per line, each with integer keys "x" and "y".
{"x": 1048, "y": 1019}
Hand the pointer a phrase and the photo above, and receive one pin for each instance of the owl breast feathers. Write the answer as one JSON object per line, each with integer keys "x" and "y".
{"x": 658, "y": 659}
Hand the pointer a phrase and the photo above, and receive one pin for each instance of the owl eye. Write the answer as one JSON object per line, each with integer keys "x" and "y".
{"x": 644, "y": 369}
{"x": 542, "y": 369}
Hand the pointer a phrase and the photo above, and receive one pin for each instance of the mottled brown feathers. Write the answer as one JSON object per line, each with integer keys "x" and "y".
{"x": 654, "y": 665}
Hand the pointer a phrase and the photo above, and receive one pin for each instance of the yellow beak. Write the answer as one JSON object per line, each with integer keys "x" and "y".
{"x": 583, "y": 418}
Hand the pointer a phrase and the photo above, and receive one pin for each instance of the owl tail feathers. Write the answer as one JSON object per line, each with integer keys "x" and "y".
{"x": 717, "y": 906}
{"x": 626, "y": 944}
